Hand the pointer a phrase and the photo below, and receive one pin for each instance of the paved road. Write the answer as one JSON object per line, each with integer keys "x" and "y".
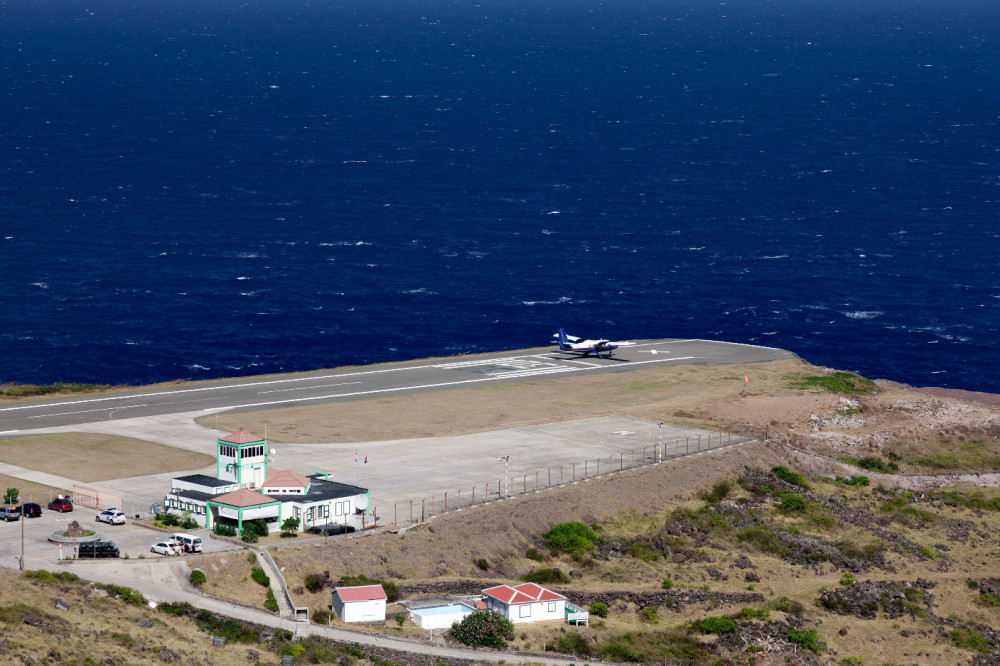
{"x": 353, "y": 384}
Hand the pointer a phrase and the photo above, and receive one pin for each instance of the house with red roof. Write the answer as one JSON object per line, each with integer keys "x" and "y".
{"x": 363, "y": 603}
{"x": 527, "y": 602}
{"x": 246, "y": 488}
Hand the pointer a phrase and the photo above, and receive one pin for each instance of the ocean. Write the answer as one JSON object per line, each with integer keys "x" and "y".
{"x": 206, "y": 188}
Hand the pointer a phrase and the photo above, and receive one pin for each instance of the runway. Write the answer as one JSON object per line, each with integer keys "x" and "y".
{"x": 255, "y": 393}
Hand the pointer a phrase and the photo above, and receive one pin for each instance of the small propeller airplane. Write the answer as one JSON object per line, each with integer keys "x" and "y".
{"x": 574, "y": 345}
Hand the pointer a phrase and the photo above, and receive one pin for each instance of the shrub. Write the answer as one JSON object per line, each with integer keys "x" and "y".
{"x": 791, "y": 503}
{"x": 542, "y": 576}
{"x": 988, "y": 599}
{"x": 260, "y": 577}
{"x": 967, "y": 639}
{"x": 716, "y": 625}
{"x": 615, "y": 651}
{"x": 855, "y": 480}
{"x": 127, "y": 594}
{"x": 788, "y": 476}
{"x": 641, "y": 550}
{"x": 847, "y": 579}
{"x": 270, "y": 603}
{"x": 249, "y": 536}
{"x": 225, "y": 530}
{"x": 197, "y": 578}
{"x": 290, "y": 525}
{"x": 482, "y": 628}
{"x": 720, "y": 491}
{"x": 168, "y": 519}
{"x": 808, "y": 639}
{"x": 786, "y": 605}
{"x": 533, "y": 554}
{"x": 747, "y": 613}
{"x": 598, "y": 609}
{"x": 189, "y": 523}
{"x": 315, "y": 582}
{"x": 321, "y": 616}
{"x": 650, "y": 614}
{"x": 482, "y": 564}
{"x": 574, "y": 538}
{"x": 836, "y": 382}
{"x": 667, "y": 584}
{"x": 570, "y": 643}
{"x": 875, "y": 464}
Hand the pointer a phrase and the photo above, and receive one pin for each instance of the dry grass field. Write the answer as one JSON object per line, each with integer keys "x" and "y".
{"x": 31, "y": 492}
{"x": 97, "y": 457}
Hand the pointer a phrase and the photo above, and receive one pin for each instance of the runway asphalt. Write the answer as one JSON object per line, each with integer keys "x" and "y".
{"x": 254, "y": 393}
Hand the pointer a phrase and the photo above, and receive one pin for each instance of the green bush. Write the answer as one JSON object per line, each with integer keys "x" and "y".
{"x": 875, "y": 464}
{"x": 641, "y": 550}
{"x": 967, "y": 639}
{"x": 788, "y": 476}
{"x": 570, "y": 643}
{"x": 225, "y": 530}
{"x": 808, "y": 639}
{"x": 321, "y": 616}
{"x": 615, "y": 651}
{"x": 598, "y": 609}
{"x": 574, "y": 538}
{"x": 197, "y": 578}
{"x": 717, "y": 625}
{"x": 651, "y": 615}
{"x": 482, "y": 564}
{"x": 127, "y": 594}
{"x": 270, "y": 603}
{"x": 533, "y": 554}
{"x": 747, "y": 613}
{"x": 791, "y": 503}
{"x": 249, "y": 536}
{"x": 260, "y": 577}
{"x": 720, "y": 491}
{"x": 189, "y": 523}
{"x": 855, "y": 480}
{"x": 836, "y": 382}
{"x": 667, "y": 584}
{"x": 847, "y": 579}
{"x": 315, "y": 582}
{"x": 168, "y": 519}
{"x": 544, "y": 576}
{"x": 482, "y": 628}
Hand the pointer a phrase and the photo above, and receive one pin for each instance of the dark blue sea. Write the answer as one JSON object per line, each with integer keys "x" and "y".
{"x": 207, "y": 188}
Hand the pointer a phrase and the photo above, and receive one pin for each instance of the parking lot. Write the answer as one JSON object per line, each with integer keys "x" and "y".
{"x": 132, "y": 539}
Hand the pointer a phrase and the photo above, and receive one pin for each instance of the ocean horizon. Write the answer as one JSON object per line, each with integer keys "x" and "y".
{"x": 198, "y": 189}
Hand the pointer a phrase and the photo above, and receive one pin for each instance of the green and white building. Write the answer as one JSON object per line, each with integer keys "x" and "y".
{"x": 245, "y": 488}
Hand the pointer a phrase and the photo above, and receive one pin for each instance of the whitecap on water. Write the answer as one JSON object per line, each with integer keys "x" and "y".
{"x": 40, "y": 285}
{"x": 863, "y": 314}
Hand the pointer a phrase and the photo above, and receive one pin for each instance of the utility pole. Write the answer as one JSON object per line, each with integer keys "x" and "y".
{"x": 659, "y": 448}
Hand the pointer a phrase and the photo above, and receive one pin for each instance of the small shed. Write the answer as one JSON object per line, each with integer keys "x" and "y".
{"x": 363, "y": 603}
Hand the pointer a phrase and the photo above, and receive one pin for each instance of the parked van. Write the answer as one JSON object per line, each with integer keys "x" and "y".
{"x": 190, "y": 542}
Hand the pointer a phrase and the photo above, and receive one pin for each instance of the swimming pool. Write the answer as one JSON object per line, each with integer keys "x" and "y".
{"x": 439, "y": 617}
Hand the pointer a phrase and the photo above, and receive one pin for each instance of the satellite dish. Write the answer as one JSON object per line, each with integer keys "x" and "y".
{"x": 273, "y": 452}
{"x": 362, "y": 502}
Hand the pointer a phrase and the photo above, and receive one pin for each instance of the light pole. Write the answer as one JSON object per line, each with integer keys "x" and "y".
{"x": 659, "y": 448}
{"x": 506, "y": 462}
{"x": 22, "y": 533}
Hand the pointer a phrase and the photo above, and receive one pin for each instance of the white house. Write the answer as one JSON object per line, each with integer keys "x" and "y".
{"x": 526, "y": 603}
{"x": 363, "y": 603}
{"x": 246, "y": 488}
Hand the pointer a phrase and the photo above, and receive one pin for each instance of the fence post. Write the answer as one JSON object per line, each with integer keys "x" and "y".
{"x": 621, "y": 462}
{"x": 423, "y": 505}
{"x": 586, "y": 463}
{"x": 699, "y": 443}
{"x": 631, "y": 465}
{"x": 687, "y": 445}
{"x": 524, "y": 484}
{"x": 499, "y": 496}
{"x": 644, "y": 455}
{"x": 574, "y": 472}
{"x": 550, "y": 478}
{"x": 536, "y": 482}
{"x": 446, "y": 503}
{"x": 432, "y": 505}
{"x": 473, "y": 496}
{"x": 560, "y": 474}
{"x": 411, "y": 511}
{"x": 459, "y": 498}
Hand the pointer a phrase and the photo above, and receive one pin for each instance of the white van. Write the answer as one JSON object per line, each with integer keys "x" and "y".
{"x": 189, "y": 542}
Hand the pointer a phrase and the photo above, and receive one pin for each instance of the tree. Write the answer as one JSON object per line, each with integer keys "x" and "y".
{"x": 291, "y": 525}
{"x": 482, "y": 628}
{"x": 11, "y": 496}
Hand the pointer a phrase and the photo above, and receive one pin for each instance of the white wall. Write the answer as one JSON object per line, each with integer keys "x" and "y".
{"x": 539, "y": 612}
{"x": 362, "y": 611}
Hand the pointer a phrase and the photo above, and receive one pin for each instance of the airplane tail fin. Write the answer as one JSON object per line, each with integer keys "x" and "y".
{"x": 562, "y": 339}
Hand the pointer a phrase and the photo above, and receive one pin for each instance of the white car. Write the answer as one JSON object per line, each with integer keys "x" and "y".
{"x": 163, "y": 548}
{"x": 111, "y": 517}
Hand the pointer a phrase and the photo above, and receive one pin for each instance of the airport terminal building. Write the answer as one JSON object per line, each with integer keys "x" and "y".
{"x": 246, "y": 488}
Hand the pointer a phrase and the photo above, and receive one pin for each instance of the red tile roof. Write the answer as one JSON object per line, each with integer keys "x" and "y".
{"x": 282, "y": 478}
{"x": 241, "y": 436}
{"x": 522, "y": 594}
{"x": 243, "y": 497}
{"x": 361, "y": 593}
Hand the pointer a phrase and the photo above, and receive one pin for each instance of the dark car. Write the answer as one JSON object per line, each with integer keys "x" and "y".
{"x": 61, "y": 504}
{"x": 99, "y": 549}
{"x": 30, "y": 510}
